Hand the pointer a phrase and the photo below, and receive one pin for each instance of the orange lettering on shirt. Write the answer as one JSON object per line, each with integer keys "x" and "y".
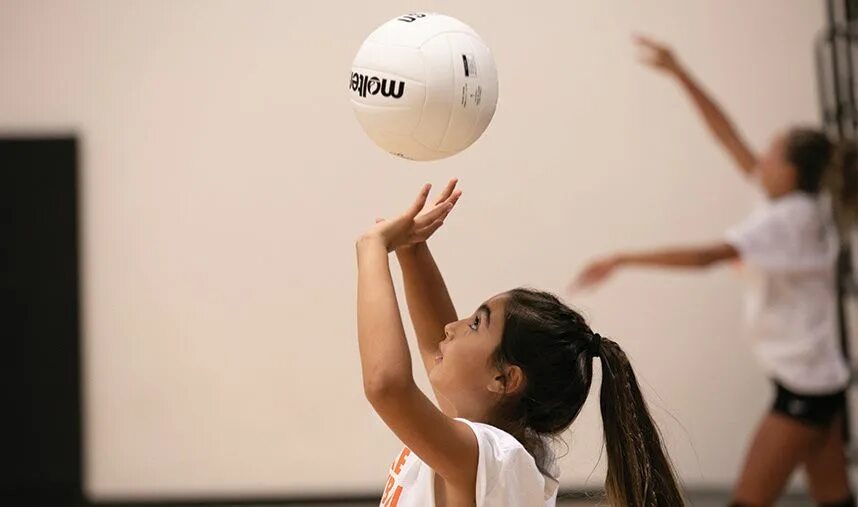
{"x": 395, "y": 500}
{"x": 401, "y": 461}
{"x": 387, "y": 489}
{"x": 388, "y": 500}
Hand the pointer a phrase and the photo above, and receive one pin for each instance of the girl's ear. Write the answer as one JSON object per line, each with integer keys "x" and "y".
{"x": 508, "y": 381}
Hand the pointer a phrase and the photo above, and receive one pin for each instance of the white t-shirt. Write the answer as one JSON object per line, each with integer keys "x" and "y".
{"x": 507, "y": 475}
{"x": 790, "y": 246}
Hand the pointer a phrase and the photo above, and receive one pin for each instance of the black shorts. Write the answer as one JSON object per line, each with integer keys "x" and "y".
{"x": 818, "y": 410}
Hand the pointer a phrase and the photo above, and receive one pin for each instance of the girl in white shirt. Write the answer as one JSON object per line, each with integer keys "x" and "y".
{"x": 790, "y": 247}
{"x": 508, "y": 378}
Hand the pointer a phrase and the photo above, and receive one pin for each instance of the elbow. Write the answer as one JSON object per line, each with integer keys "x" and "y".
{"x": 706, "y": 260}
{"x": 711, "y": 258}
{"x": 383, "y": 388}
{"x": 717, "y": 255}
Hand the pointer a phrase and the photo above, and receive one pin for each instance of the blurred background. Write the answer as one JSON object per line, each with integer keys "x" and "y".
{"x": 183, "y": 182}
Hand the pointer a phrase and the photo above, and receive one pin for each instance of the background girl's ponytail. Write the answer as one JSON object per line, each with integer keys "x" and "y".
{"x": 842, "y": 183}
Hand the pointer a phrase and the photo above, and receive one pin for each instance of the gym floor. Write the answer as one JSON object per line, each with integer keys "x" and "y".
{"x": 709, "y": 499}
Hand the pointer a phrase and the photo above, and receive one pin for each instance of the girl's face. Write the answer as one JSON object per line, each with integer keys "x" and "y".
{"x": 777, "y": 176}
{"x": 464, "y": 371}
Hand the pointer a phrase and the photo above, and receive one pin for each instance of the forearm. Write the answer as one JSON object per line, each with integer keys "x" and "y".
{"x": 712, "y": 114}
{"x": 717, "y": 121}
{"x": 672, "y": 258}
{"x": 429, "y": 302}
{"x": 385, "y": 359}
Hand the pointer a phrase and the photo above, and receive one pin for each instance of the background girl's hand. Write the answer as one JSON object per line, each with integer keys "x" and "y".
{"x": 417, "y": 224}
{"x": 595, "y": 273}
{"x": 657, "y": 55}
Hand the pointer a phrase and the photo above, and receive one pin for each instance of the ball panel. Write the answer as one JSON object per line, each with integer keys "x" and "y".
{"x": 412, "y": 30}
{"x": 438, "y": 105}
{"x": 402, "y": 61}
{"x": 379, "y": 115}
{"x": 475, "y": 91}
{"x": 368, "y": 86}
{"x": 404, "y": 146}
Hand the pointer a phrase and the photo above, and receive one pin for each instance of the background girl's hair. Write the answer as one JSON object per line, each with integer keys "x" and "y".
{"x": 823, "y": 165}
{"x": 842, "y": 182}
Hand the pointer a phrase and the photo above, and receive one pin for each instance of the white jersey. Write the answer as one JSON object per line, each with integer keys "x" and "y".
{"x": 790, "y": 246}
{"x": 507, "y": 475}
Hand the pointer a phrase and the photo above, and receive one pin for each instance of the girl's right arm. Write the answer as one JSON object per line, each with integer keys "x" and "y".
{"x": 429, "y": 303}
{"x": 660, "y": 57}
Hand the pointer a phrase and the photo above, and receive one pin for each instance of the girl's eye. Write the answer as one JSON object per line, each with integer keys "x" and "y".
{"x": 476, "y": 324}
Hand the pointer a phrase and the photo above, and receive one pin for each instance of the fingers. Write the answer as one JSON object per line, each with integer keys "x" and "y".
{"x": 653, "y": 53}
{"x": 448, "y": 191}
{"x": 446, "y": 195}
{"x": 453, "y": 199}
{"x": 423, "y": 234}
{"x": 428, "y": 222}
{"x": 421, "y": 229}
{"x": 648, "y": 43}
{"x": 426, "y": 219}
{"x": 648, "y": 60}
{"x": 437, "y": 212}
{"x": 415, "y": 208}
{"x": 590, "y": 276}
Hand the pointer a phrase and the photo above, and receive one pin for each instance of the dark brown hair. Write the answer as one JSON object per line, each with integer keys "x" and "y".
{"x": 822, "y": 165}
{"x": 555, "y": 349}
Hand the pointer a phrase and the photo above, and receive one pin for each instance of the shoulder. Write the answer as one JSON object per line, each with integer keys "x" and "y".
{"x": 497, "y": 437}
{"x": 787, "y": 215}
{"x": 501, "y": 455}
{"x": 796, "y": 205}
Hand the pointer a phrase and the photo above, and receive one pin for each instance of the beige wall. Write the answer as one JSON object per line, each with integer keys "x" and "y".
{"x": 225, "y": 180}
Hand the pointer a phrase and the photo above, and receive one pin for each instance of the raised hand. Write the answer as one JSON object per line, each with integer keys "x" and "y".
{"x": 418, "y": 222}
{"x": 657, "y": 55}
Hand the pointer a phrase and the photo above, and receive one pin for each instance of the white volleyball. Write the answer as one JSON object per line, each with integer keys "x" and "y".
{"x": 424, "y": 86}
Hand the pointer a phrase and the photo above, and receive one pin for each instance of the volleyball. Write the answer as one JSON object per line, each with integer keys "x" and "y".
{"x": 424, "y": 86}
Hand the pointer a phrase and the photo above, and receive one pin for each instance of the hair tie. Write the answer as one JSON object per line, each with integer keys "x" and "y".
{"x": 594, "y": 347}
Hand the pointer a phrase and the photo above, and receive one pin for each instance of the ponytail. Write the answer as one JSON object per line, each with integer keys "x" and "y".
{"x": 556, "y": 349}
{"x": 639, "y": 471}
